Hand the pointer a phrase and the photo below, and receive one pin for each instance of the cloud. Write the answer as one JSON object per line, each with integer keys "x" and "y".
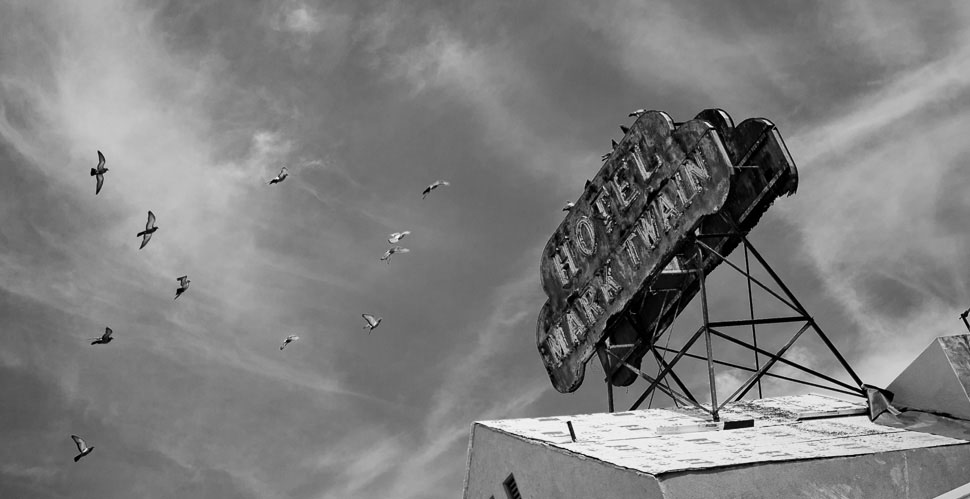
{"x": 197, "y": 105}
{"x": 889, "y": 170}
{"x": 475, "y": 386}
{"x": 485, "y": 77}
{"x": 478, "y": 371}
{"x": 890, "y": 33}
{"x": 297, "y": 17}
{"x": 317, "y": 33}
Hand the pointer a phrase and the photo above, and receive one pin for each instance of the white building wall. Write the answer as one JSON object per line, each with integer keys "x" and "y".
{"x": 543, "y": 472}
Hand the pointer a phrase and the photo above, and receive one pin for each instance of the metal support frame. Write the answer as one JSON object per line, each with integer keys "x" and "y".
{"x": 711, "y": 328}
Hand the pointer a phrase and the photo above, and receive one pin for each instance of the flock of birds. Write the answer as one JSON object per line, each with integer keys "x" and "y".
{"x": 371, "y": 321}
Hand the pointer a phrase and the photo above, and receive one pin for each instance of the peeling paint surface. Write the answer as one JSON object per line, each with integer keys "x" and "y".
{"x": 633, "y": 439}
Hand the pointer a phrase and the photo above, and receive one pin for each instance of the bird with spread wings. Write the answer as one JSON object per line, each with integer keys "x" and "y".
{"x": 289, "y": 339}
{"x": 82, "y": 447}
{"x": 105, "y": 338}
{"x": 281, "y": 177}
{"x": 372, "y": 321}
{"x": 437, "y": 183}
{"x": 98, "y": 173}
{"x": 150, "y": 228}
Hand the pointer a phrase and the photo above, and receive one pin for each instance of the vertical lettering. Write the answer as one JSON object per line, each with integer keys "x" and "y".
{"x": 631, "y": 250}
{"x": 565, "y": 265}
{"x": 585, "y": 236}
{"x": 641, "y": 164}
{"x": 695, "y": 174}
{"x": 588, "y": 305}
{"x": 666, "y": 210}
{"x": 558, "y": 347}
{"x": 625, "y": 191}
{"x": 576, "y": 327}
{"x": 609, "y": 287}
{"x": 602, "y": 206}
{"x": 648, "y": 230}
{"x": 684, "y": 192}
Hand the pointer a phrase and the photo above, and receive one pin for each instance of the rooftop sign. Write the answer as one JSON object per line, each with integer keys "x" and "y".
{"x": 616, "y": 253}
{"x": 645, "y": 202}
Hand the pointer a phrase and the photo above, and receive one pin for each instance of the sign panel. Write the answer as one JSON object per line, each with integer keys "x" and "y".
{"x": 764, "y": 171}
{"x": 644, "y": 204}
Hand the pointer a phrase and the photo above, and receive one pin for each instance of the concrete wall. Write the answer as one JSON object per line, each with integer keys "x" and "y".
{"x": 916, "y": 473}
{"x": 542, "y": 472}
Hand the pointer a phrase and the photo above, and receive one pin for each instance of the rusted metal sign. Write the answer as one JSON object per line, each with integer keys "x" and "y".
{"x": 764, "y": 171}
{"x": 634, "y": 216}
{"x": 622, "y": 264}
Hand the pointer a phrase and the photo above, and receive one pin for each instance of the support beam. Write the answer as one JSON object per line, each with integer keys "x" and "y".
{"x": 818, "y": 330}
{"x": 752, "y": 322}
{"x": 662, "y": 363}
{"x": 767, "y": 373}
{"x": 655, "y": 382}
{"x": 754, "y": 329}
{"x": 743, "y": 389}
{"x": 749, "y": 276}
{"x": 707, "y": 337}
{"x": 664, "y": 371}
{"x": 813, "y": 372}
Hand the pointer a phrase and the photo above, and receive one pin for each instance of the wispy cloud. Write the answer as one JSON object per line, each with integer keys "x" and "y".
{"x": 476, "y": 386}
{"x": 889, "y": 169}
{"x": 488, "y": 79}
{"x": 197, "y": 105}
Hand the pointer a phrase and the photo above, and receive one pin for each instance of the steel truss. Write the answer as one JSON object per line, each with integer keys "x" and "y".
{"x": 709, "y": 329}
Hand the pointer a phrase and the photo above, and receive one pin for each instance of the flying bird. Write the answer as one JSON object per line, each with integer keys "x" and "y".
{"x": 99, "y": 172}
{"x": 394, "y": 249}
{"x": 183, "y": 286}
{"x": 637, "y": 113}
{"x": 435, "y": 185}
{"x": 289, "y": 339}
{"x": 105, "y": 338}
{"x": 81, "y": 447}
{"x": 281, "y": 177}
{"x": 397, "y": 236}
{"x": 568, "y": 206}
{"x": 146, "y": 235}
{"x": 372, "y": 322}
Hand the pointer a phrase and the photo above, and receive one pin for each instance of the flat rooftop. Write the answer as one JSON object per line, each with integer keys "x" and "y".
{"x": 660, "y": 441}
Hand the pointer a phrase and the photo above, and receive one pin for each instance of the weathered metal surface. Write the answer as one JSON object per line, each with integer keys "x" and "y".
{"x": 635, "y": 215}
{"x": 623, "y": 264}
{"x": 764, "y": 171}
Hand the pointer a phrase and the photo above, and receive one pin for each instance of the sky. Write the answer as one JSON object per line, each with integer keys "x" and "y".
{"x": 197, "y": 104}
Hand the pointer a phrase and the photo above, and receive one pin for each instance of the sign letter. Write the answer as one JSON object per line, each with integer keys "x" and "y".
{"x": 565, "y": 265}
{"x": 585, "y": 236}
{"x": 609, "y": 288}
{"x": 588, "y": 305}
{"x": 576, "y": 326}
{"x": 625, "y": 191}
{"x": 602, "y": 205}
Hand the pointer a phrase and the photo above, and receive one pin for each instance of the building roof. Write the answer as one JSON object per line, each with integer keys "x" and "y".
{"x": 657, "y": 441}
